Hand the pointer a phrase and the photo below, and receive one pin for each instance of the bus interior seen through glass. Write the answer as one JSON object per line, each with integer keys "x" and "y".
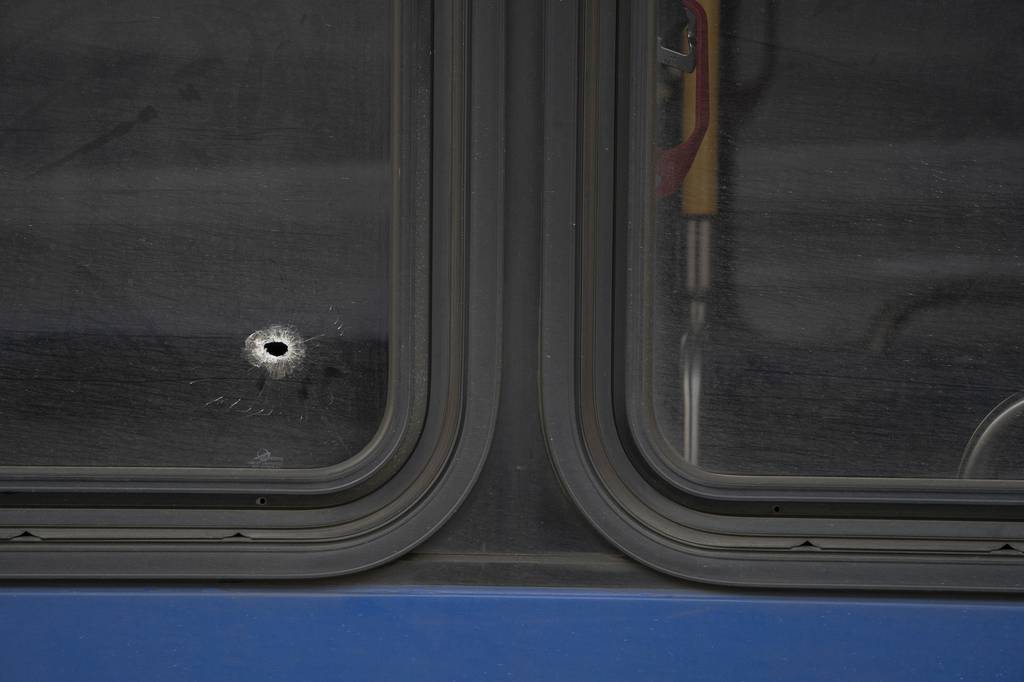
{"x": 863, "y": 261}
{"x": 197, "y": 213}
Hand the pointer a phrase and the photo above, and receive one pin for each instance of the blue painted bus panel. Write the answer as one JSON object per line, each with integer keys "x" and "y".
{"x": 337, "y": 633}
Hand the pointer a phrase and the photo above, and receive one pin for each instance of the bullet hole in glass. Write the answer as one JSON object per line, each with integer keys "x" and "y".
{"x": 276, "y": 348}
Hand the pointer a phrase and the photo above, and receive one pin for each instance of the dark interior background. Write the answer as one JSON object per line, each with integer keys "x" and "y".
{"x": 868, "y": 259}
{"x": 175, "y": 176}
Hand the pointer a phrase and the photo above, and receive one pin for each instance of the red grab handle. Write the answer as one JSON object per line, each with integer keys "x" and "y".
{"x": 673, "y": 164}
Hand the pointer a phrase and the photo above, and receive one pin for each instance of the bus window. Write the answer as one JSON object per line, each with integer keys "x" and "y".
{"x": 199, "y": 208}
{"x": 832, "y": 286}
{"x": 780, "y": 328}
{"x": 236, "y": 239}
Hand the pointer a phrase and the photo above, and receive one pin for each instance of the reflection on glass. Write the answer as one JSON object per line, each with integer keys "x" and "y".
{"x": 838, "y": 289}
{"x": 176, "y": 178}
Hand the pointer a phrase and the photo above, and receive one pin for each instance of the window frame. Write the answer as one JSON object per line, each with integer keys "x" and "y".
{"x": 306, "y": 524}
{"x": 900, "y": 534}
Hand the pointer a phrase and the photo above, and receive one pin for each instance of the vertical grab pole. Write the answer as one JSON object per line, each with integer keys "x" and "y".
{"x": 699, "y": 206}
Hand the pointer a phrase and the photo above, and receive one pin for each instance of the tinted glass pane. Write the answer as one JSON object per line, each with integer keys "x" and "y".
{"x": 842, "y": 294}
{"x": 196, "y": 208}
